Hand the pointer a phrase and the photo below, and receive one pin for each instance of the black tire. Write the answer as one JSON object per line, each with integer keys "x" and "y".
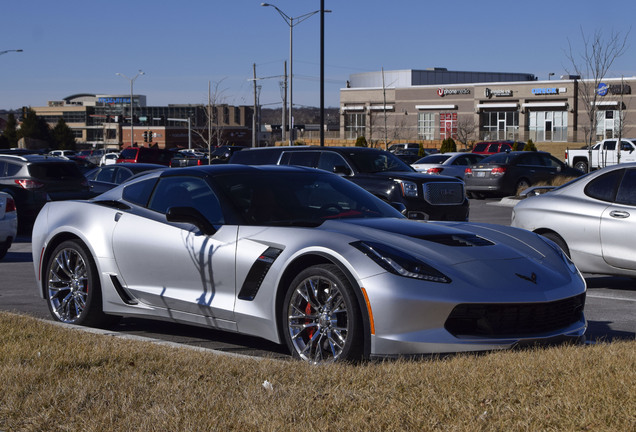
{"x": 72, "y": 288}
{"x": 581, "y": 166}
{"x": 320, "y": 316}
{"x": 522, "y": 184}
{"x": 559, "y": 241}
{"x": 3, "y": 251}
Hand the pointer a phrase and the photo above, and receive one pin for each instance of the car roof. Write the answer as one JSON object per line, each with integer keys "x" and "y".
{"x": 30, "y": 158}
{"x": 203, "y": 170}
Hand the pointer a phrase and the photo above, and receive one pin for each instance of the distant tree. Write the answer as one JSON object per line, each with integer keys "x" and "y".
{"x": 34, "y": 127}
{"x": 592, "y": 65}
{"x": 10, "y": 135}
{"x": 465, "y": 130}
{"x": 63, "y": 137}
{"x": 448, "y": 145}
{"x": 361, "y": 141}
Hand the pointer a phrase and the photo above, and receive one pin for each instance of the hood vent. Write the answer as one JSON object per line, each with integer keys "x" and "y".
{"x": 457, "y": 240}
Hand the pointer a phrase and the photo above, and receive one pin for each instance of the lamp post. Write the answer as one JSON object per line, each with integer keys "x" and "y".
{"x": 8, "y": 51}
{"x": 291, "y": 22}
{"x": 550, "y": 75}
{"x": 132, "y": 120}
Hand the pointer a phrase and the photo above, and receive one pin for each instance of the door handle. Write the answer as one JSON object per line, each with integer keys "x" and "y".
{"x": 619, "y": 214}
{"x": 118, "y": 216}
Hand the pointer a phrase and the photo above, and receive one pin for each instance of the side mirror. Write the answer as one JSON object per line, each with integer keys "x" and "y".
{"x": 192, "y": 216}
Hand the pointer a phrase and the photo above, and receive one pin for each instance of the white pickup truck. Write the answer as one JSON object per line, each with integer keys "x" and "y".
{"x": 604, "y": 153}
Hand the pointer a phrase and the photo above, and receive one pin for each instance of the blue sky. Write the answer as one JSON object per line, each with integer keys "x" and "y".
{"x": 78, "y": 46}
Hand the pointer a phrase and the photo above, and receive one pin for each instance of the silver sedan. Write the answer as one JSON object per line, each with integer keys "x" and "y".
{"x": 593, "y": 219}
{"x": 450, "y": 164}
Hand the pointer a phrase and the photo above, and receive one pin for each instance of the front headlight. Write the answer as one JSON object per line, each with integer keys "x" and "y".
{"x": 408, "y": 188}
{"x": 400, "y": 263}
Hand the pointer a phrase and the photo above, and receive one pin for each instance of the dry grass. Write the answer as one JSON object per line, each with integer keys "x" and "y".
{"x": 556, "y": 181}
{"x": 59, "y": 379}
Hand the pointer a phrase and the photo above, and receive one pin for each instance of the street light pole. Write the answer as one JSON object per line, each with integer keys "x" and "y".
{"x": 291, "y": 22}
{"x": 132, "y": 120}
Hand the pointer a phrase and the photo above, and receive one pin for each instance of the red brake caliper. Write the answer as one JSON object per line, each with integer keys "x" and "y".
{"x": 312, "y": 330}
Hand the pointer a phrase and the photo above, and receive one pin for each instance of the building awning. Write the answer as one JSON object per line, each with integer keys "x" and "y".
{"x": 607, "y": 103}
{"x": 380, "y": 107}
{"x": 563, "y": 105}
{"x": 353, "y": 108}
{"x": 498, "y": 105}
{"x": 435, "y": 107}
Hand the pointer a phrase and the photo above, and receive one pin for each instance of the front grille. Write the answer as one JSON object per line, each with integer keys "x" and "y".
{"x": 514, "y": 319}
{"x": 440, "y": 193}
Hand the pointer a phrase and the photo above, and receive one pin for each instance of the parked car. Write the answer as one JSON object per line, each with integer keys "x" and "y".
{"x": 145, "y": 155}
{"x": 180, "y": 159}
{"x": 593, "y": 219}
{"x": 492, "y": 147}
{"x": 504, "y": 174}
{"x": 305, "y": 258}
{"x": 8, "y": 222}
{"x": 222, "y": 154}
{"x": 106, "y": 177}
{"x": 451, "y": 164}
{"x": 380, "y": 172}
{"x": 63, "y": 153}
{"x": 32, "y": 180}
{"x": 93, "y": 156}
{"x": 408, "y": 155}
{"x": 109, "y": 158}
{"x": 83, "y": 164}
{"x": 404, "y": 146}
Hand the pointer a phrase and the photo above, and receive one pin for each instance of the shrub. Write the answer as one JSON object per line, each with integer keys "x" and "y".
{"x": 361, "y": 141}
{"x": 448, "y": 145}
{"x": 530, "y": 146}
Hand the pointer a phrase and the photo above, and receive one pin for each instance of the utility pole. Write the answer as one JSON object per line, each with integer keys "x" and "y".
{"x": 255, "y": 108}
{"x": 322, "y": 73}
{"x": 284, "y": 119}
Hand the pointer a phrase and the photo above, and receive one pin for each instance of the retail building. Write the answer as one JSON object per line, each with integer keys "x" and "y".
{"x": 431, "y": 105}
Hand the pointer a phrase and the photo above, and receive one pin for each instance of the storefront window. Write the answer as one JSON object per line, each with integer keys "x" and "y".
{"x": 426, "y": 125}
{"x": 548, "y": 126}
{"x": 608, "y": 124}
{"x": 354, "y": 125}
{"x": 447, "y": 125}
{"x": 500, "y": 125}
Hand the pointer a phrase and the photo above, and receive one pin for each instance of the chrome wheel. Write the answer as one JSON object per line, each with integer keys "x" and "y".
{"x": 67, "y": 285}
{"x": 321, "y": 317}
{"x": 72, "y": 287}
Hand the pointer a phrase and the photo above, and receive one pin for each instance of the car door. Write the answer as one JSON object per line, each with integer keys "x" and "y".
{"x": 618, "y": 225}
{"x": 173, "y": 265}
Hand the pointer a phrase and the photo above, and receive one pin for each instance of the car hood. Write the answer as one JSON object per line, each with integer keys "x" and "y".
{"x": 451, "y": 243}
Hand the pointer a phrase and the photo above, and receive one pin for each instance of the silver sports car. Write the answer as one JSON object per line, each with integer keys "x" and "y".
{"x": 301, "y": 257}
{"x": 593, "y": 219}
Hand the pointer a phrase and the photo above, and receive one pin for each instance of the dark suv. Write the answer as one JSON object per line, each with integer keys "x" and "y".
{"x": 33, "y": 180}
{"x": 379, "y": 172}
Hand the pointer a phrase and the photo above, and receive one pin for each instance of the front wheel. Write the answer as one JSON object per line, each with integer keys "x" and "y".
{"x": 559, "y": 242}
{"x": 72, "y": 286}
{"x": 321, "y": 319}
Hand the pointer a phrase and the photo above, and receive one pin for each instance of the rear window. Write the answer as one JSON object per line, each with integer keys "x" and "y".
{"x": 480, "y": 147}
{"x": 129, "y": 153}
{"x": 57, "y": 171}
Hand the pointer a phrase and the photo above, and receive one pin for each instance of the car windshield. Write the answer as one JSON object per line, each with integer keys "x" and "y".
{"x": 433, "y": 159}
{"x": 299, "y": 198}
{"x": 374, "y": 162}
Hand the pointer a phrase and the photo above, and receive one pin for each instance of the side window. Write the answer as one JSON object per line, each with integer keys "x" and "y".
{"x": 139, "y": 193}
{"x": 105, "y": 175}
{"x": 627, "y": 190}
{"x": 493, "y": 148}
{"x": 301, "y": 158}
{"x": 3, "y": 168}
{"x": 330, "y": 160}
{"x": 604, "y": 187}
{"x": 186, "y": 192}
{"x": 122, "y": 174}
{"x": 610, "y": 145}
{"x": 13, "y": 169}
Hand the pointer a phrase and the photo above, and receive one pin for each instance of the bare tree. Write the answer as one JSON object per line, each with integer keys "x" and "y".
{"x": 592, "y": 65}
{"x": 465, "y": 129}
{"x": 211, "y": 134}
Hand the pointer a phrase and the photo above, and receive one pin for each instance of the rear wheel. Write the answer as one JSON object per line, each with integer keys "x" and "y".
{"x": 581, "y": 166}
{"x": 559, "y": 241}
{"x": 522, "y": 184}
{"x": 321, "y": 320}
{"x": 72, "y": 286}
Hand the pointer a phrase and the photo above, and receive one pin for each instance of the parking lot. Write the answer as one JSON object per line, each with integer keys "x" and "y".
{"x": 610, "y": 304}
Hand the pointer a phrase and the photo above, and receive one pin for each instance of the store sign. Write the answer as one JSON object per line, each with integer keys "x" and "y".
{"x": 615, "y": 89}
{"x": 113, "y": 100}
{"x": 545, "y": 91}
{"x": 441, "y": 92}
{"x": 497, "y": 93}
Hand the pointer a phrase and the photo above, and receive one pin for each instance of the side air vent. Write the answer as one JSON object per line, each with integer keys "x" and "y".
{"x": 257, "y": 273}
{"x": 126, "y": 298}
{"x": 458, "y": 240}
